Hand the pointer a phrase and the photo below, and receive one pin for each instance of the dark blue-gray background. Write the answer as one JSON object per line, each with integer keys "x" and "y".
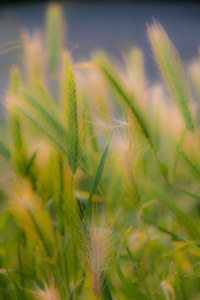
{"x": 111, "y": 26}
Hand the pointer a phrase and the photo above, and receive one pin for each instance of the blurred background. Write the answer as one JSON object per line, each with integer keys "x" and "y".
{"x": 113, "y": 26}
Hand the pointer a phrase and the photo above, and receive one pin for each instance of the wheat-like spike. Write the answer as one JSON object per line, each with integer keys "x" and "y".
{"x": 55, "y": 34}
{"x": 39, "y": 108}
{"x": 33, "y": 57}
{"x": 29, "y": 212}
{"x": 72, "y": 125}
{"x": 109, "y": 74}
{"x": 172, "y": 70}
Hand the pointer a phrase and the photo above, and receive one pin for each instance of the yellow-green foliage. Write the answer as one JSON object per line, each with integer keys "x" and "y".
{"x": 171, "y": 69}
{"x": 93, "y": 145}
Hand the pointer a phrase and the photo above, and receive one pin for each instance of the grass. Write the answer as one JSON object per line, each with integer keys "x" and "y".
{"x": 100, "y": 174}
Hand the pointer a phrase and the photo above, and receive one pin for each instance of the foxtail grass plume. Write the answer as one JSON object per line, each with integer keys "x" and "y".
{"x": 29, "y": 212}
{"x": 49, "y": 292}
{"x": 172, "y": 70}
{"x": 127, "y": 153}
{"x": 134, "y": 62}
{"x": 96, "y": 253}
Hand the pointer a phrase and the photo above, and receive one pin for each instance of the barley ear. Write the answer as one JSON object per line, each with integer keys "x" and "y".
{"x": 55, "y": 34}
{"x": 172, "y": 71}
{"x": 75, "y": 133}
{"x": 110, "y": 74}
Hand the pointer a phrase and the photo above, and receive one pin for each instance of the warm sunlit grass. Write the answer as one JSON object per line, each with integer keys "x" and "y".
{"x": 99, "y": 179}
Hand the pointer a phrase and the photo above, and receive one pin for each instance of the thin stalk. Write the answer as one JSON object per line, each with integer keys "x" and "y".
{"x": 72, "y": 194}
{"x": 65, "y": 263}
{"x": 83, "y": 278}
{"x": 133, "y": 259}
{"x": 72, "y": 231}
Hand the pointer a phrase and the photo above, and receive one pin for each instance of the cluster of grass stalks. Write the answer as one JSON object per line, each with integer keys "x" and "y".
{"x": 100, "y": 174}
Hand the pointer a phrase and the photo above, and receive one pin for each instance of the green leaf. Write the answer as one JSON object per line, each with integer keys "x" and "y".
{"x": 174, "y": 236}
{"x": 106, "y": 294}
{"x": 19, "y": 292}
{"x": 183, "y": 219}
{"x": 110, "y": 73}
{"x": 97, "y": 177}
{"x": 31, "y": 162}
{"x": 183, "y": 248}
{"x": 192, "y": 275}
{"x": 190, "y": 194}
{"x": 193, "y": 245}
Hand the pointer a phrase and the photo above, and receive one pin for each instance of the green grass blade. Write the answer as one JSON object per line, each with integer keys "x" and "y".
{"x": 174, "y": 236}
{"x": 192, "y": 275}
{"x": 130, "y": 102}
{"x": 193, "y": 245}
{"x": 31, "y": 162}
{"x": 106, "y": 294}
{"x": 190, "y": 194}
{"x": 97, "y": 177}
{"x": 19, "y": 292}
{"x": 128, "y": 286}
{"x": 183, "y": 219}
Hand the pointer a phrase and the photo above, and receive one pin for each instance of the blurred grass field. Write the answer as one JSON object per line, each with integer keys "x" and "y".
{"x": 99, "y": 181}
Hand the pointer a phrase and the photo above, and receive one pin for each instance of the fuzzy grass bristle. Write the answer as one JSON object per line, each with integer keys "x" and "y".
{"x": 96, "y": 252}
